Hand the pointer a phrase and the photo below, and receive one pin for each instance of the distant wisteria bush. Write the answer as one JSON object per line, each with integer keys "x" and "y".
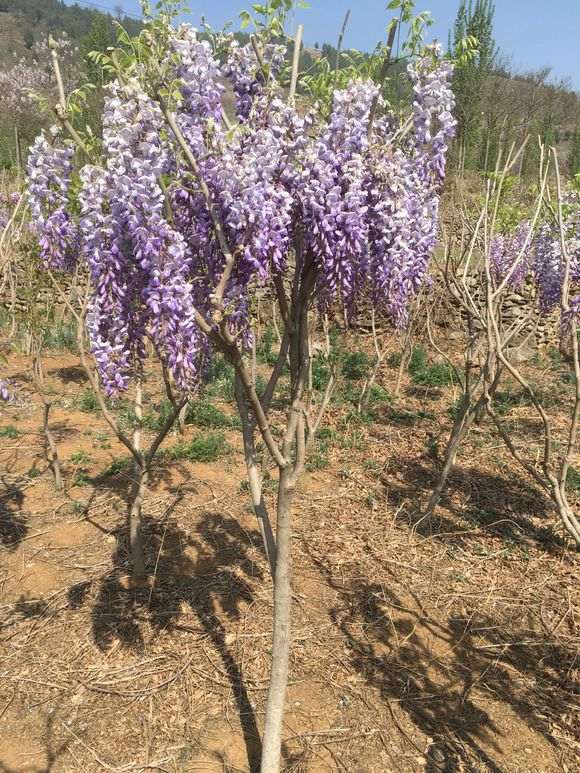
{"x": 352, "y": 201}
{"x": 536, "y": 255}
{"x": 32, "y": 78}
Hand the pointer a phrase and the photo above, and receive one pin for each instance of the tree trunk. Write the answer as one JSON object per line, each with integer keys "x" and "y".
{"x": 460, "y": 429}
{"x": 136, "y": 523}
{"x": 51, "y": 450}
{"x": 272, "y": 742}
{"x": 140, "y": 485}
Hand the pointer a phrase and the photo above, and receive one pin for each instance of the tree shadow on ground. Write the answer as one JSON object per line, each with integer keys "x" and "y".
{"x": 449, "y": 678}
{"x": 13, "y": 526}
{"x": 209, "y": 571}
{"x": 53, "y": 751}
{"x": 474, "y": 499}
{"x": 119, "y": 477}
{"x": 73, "y": 374}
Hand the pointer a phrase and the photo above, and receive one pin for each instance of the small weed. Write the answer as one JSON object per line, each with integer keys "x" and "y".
{"x": 355, "y": 441}
{"x": 204, "y": 448}
{"x": 9, "y": 432}
{"x": 61, "y": 336}
{"x": 573, "y": 480}
{"x": 429, "y": 375}
{"x": 221, "y": 381}
{"x": 319, "y": 459}
{"x": 204, "y": 414}
{"x": 395, "y": 359}
{"x": 80, "y": 457}
{"x": 355, "y": 366}
{"x": 153, "y": 421}
{"x": 408, "y": 418}
{"x": 81, "y": 478}
{"x": 372, "y": 466}
{"x": 118, "y": 466}
{"x": 354, "y": 418}
{"x": 87, "y": 402}
{"x": 320, "y": 374}
{"x": 125, "y": 413}
{"x": 33, "y": 472}
{"x": 379, "y": 395}
{"x": 264, "y": 353}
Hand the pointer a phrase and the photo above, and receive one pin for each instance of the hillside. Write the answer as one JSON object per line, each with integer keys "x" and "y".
{"x": 24, "y": 22}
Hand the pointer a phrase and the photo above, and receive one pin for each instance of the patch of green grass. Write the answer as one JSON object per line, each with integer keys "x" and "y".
{"x": 319, "y": 459}
{"x": 573, "y": 480}
{"x": 221, "y": 381}
{"x": 204, "y": 448}
{"x": 61, "y": 336}
{"x": 9, "y": 432}
{"x": 394, "y": 360}
{"x": 379, "y": 395}
{"x": 428, "y": 374}
{"x": 118, "y": 466}
{"x": 355, "y": 365}
{"x": 87, "y": 402}
{"x": 354, "y": 418}
{"x": 354, "y": 440}
{"x": 504, "y": 401}
{"x": 264, "y": 353}
{"x": 204, "y": 414}
{"x": 80, "y": 457}
{"x": 155, "y": 419}
{"x": 320, "y": 374}
{"x": 348, "y": 392}
{"x": 372, "y": 466}
{"x": 81, "y": 478}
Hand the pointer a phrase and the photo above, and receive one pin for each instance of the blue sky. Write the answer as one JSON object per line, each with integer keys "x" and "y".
{"x": 532, "y": 33}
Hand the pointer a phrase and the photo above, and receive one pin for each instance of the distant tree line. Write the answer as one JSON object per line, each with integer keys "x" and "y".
{"x": 497, "y": 106}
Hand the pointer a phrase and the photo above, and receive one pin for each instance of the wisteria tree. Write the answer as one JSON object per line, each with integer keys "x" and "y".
{"x": 540, "y": 257}
{"x": 183, "y": 213}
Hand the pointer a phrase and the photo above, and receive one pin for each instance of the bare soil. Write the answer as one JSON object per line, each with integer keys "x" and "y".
{"x": 448, "y": 645}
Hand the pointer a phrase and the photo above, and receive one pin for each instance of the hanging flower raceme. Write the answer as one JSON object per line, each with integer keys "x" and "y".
{"x": 433, "y": 104}
{"x": 248, "y": 76}
{"x": 6, "y": 394}
{"x": 49, "y": 176}
{"x": 510, "y": 256}
{"x": 137, "y": 260}
{"x": 334, "y": 196}
{"x": 404, "y": 180}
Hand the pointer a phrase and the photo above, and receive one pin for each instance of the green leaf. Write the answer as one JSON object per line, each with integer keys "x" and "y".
{"x": 394, "y": 5}
{"x": 246, "y": 19}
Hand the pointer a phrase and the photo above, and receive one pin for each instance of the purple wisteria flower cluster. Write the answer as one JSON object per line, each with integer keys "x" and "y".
{"x": 7, "y": 203}
{"x": 49, "y": 176}
{"x": 6, "y": 394}
{"x": 349, "y": 205}
{"x": 537, "y": 256}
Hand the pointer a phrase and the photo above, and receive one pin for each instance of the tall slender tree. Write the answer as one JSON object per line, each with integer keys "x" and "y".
{"x": 474, "y": 19}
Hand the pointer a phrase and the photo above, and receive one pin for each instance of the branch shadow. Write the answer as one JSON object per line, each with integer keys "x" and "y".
{"x": 445, "y": 676}
{"x": 209, "y": 571}
{"x": 504, "y": 507}
{"x": 13, "y": 526}
{"x": 53, "y": 751}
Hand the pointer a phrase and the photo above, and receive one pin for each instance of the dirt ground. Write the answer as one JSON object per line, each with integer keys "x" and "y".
{"x": 441, "y": 645}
